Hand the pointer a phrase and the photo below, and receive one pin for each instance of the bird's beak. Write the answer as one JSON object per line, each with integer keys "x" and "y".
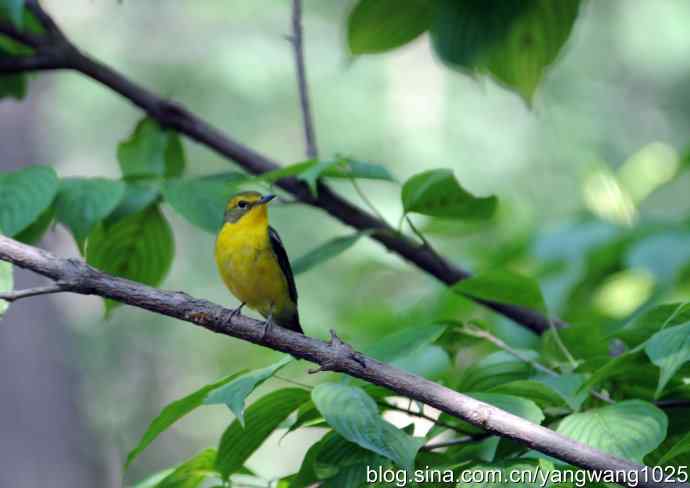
{"x": 266, "y": 198}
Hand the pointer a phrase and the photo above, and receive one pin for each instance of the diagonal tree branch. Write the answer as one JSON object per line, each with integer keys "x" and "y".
{"x": 334, "y": 356}
{"x": 55, "y": 52}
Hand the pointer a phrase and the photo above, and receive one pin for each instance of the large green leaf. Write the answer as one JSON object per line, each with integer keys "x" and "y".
{"x": 324, "y": 252}
{"x": 538, "y": 392}
{"x": 404, "y": 342}
{"x": 151, "y": 151}
{"x": 669, "y": 349}
{"x": 629, "y": 429}
{"x": 34, "y": 232}
{"x": 234, "y": 393}
{"x": 173, "y": 412}
{"x": 615, "y": 367}
{"x": 376, "y": 26}
{"x": 193, "y": 472}
{"x": 641, "y": 328}
{"x": 505, "y": 287}
{"x": 496, "y": 369}
{"x": 513, "y": 40}
{"x": 354, "y": 415}
{"x": 261, "y": 419}
{"x": 12, "y": 10}
{"x": 24, "y": 195}
{"x": 438, "y": 194}
{"x": 138, "y": 196}
{"x": 567, "y": 386}
{"x": 202, "y": 201}
{"x": 139, "y": 247}
{"x": 6, "y": 284}
{"x": 83, "y": 202}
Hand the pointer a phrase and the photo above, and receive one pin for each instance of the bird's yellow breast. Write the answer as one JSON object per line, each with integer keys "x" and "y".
{"x": 249, "y": 268}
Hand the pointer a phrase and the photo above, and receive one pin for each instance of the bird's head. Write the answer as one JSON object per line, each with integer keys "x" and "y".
{"x": 245, "y": 204}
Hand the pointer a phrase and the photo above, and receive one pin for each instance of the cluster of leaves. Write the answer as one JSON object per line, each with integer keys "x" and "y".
{"x": 514, "y": 41}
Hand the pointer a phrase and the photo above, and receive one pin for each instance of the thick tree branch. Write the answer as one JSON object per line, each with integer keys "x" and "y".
{"x": 61, "y": 54}
{"x": 86, "y": 280}
{"x": 302, "y": 86}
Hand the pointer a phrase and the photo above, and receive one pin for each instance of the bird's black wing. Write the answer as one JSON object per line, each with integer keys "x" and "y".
{"x": 283, "y": 261}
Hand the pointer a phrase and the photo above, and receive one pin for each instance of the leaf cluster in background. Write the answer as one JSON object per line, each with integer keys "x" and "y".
{"x": 515, "y": 41}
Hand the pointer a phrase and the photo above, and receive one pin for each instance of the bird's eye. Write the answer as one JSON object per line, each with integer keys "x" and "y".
{"x": 242, "y": 204}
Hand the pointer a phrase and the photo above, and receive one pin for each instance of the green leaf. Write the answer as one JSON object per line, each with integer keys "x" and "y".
{"x": 13, "y": 10}
{"x": 234, "y": 393}
{"x": 354, "y": 415}
{"x": 6, "y": 284}
{"x": 615, "y": 367}
{"x": 630, "y": 429}
{"x": 495, "y": 369}
{"x": 522, "y": 407}
{"x": 137, "y": 197}
{"x": 514, "y": 41}
{"x": 173, "y": 412}
{"x": 679, "y": 448}
{"x": 669, "y": 349}
{"x": 504, "y": 287}
{"x": 343, "y": 168}
{"x": 430, "y": 361}
{"x": 376, "y": 26}
{"x": 34, "y": 232}
{"x": 438, "y": 194}
{"x": 644, "y": 326}
{"x": 24, "y": 195}
{"x": 261, "y": 419}
{"x": 404, "y": 342}
{"x": 151, "y": 151}
{"x": 139, "y": 247}
{"x": 567, "y": 386}
{"x": 202, "y": 201}
{"x": 361, "y": 170}
{"x": 192, "y": 472}
{"x": 83, "y": 202}
{"x": 538, "y": 392}
{"x": 154, "y": 479}
{"x": 327, "y": 250}
{"x": 286, "y": 171}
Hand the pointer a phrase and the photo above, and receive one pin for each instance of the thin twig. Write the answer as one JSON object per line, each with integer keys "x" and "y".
{"x": 416, "y": 231}
{"x": 56, "y": 287}
{"x": 474, "y": 331}
{"x": 488, "y": 336}
{"x": 561, "y": 344}
{"x": 305, "y": 104}
{"x": 366, "y": 199}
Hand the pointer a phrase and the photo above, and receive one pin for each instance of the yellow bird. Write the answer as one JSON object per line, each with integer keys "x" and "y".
{"x": 253, "y": 263}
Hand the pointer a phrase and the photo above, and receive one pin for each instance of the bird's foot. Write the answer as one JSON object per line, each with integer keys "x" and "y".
{"x": 268, "y": 325}
{"x": 236, "y": 312}
{"x": 341, "y": 351}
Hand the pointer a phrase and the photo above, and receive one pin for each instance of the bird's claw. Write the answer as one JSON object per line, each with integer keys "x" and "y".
{"x": 341, "y": 352}
{"x": 236, "y": 312}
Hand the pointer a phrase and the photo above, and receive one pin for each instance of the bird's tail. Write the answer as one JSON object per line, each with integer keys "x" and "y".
{"x": 291, "y": 322}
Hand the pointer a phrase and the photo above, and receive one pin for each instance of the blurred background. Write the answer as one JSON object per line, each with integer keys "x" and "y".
{"x": 594, "y": 165}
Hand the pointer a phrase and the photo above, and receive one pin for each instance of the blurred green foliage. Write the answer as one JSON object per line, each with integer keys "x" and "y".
{"x": 591, "y": 223}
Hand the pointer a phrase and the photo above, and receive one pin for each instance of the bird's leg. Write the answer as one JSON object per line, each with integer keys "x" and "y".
{"x": 268, "y": 324}
{"x": 237, "y": 311}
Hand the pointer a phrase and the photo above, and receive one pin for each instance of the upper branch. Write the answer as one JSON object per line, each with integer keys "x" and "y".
{"x": 84, "y": 279}
{"x": 59, "y": 53}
